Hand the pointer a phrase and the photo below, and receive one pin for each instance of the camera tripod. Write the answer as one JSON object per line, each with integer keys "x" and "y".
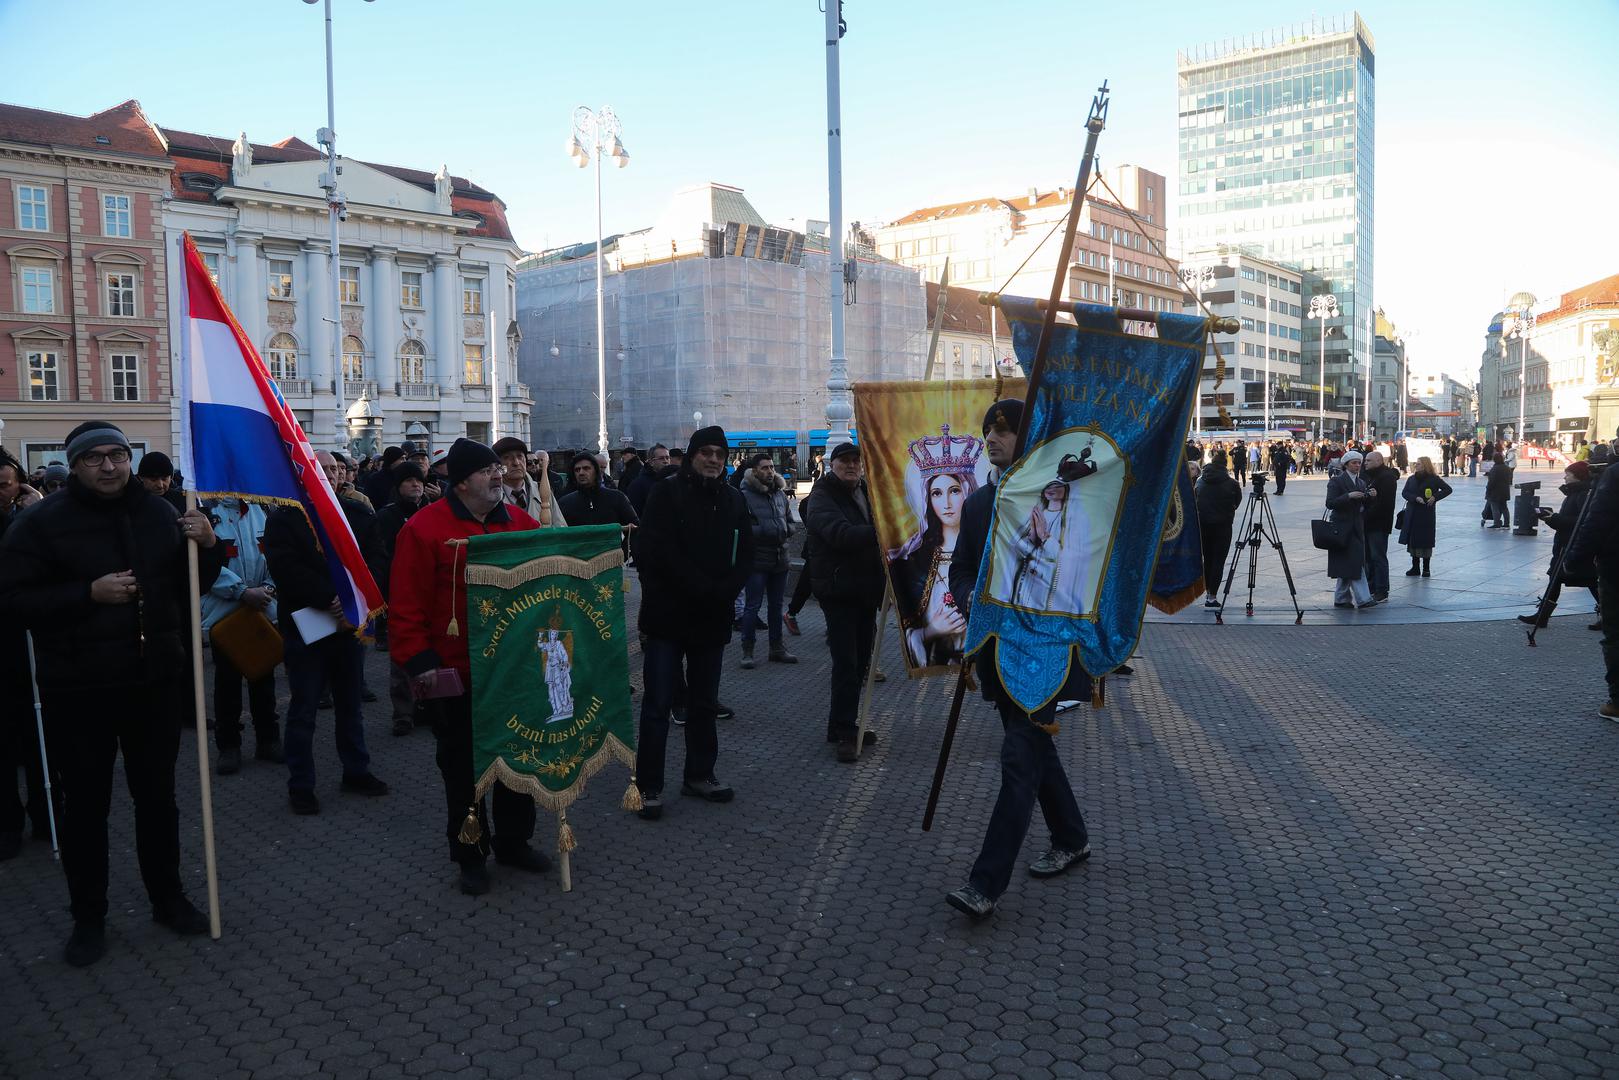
{"x": 1258, "y": 523}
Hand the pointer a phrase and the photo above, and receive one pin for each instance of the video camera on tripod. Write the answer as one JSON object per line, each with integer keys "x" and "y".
{"x": 1258, "y": 526}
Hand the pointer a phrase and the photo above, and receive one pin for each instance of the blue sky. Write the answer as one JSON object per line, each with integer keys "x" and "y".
{"x": 1497, "y": 153}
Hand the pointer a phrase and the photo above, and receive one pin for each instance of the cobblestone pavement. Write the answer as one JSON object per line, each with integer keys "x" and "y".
{"x": 1478, "y": 574}
{"x": 1319, "y": 851}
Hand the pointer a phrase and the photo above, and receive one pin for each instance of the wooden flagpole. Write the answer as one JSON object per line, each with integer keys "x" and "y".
{"x": 204, "y": 781}
{"x": 1093, "y": 128}
{"x": 871, "y": 666}
{"x": 938, "y": 324}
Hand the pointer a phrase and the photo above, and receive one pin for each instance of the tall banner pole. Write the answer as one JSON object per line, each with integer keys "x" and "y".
{"x": 204, "y": 782}
{"x": 938, "y": 324}
{"x": 45, "y": 758}
{"x": 871, "y": 667}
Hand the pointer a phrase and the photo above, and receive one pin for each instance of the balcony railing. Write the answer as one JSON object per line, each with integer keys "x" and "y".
{"x": 294, "y": 387}
{"x": 416, "y": 390}
{"x": 515, "y": 391}
{"x": 353, "y": 388}
{"x": 474, "y": 392}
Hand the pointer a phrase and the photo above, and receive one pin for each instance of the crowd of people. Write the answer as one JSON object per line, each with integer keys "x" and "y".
{"x": 93, "y": 566}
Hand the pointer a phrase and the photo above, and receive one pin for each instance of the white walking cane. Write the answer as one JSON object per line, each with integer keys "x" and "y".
{"x": 44, "y": 758}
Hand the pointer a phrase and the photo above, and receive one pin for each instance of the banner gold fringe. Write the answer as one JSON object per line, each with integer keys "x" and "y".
{"x": 554, "y": 801}
{"x": 632, "y": 798}
{"x": 1178, "y": 600}
{"x": 565, "y": 837}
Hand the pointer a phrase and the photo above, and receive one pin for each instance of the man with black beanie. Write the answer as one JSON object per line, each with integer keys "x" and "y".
{"x": 1030, "y": 769}
{"x": 428, "y": 598}
{"x": 379, "y": 487}
{"x": 98, "y": 574}
{"x": 694, "y": 550}
{"x": 847, "y": 577}
{"x": 156, "y": 474}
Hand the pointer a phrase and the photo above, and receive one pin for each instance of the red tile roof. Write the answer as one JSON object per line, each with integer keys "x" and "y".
{"x": 124, "y": 127}
{"x": 963, "y": 314}
{"x": 1602, "y": 293}
{"x": 211, "y": 154}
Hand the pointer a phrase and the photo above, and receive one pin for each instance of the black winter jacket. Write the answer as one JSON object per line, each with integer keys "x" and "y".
{"x": 767, "y": 513}
{"x": 391, "y": 519}
{"x": 1562, "y": 522}
{"x": 297, "y": 566}
{"x": 844, "y": 563}
{"x": 597, "y": 506}
{"x": 694, "y": 550}
{"x": 1218, "y": 496}
{"x": 641, "y": 486}
{"x": 1384, "y": 483}
{"x": 56, "y": 548}
{"x": 1498, "y": 487}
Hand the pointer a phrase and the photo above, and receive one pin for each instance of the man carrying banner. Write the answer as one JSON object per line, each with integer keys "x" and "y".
{"x": 98, "y": 573}
{"x": 1030, "y": 768}
{"x": 694, "y": 550}
{"x": 428, "y": 613}
{"x": 846, "y": 572}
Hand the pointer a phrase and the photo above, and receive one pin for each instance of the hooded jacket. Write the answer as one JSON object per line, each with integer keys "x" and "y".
{"x": 54, "y": 550}
{"x": 597, "y": 505}
{"x": 1218, "y": 496}
{"x": 767, "y": 512}
{"x": 694, "y": 550}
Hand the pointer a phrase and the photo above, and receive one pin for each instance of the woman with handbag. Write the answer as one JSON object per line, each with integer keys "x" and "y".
{"x": 1421, "y": 493}
{"x": 1347, "y": 500}
{"x": 1576, "y": 487}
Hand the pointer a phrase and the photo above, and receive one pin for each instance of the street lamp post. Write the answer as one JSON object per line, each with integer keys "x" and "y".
{"x": 1323, "y": 306}
{"x": 596, "y": 133}
{"x": 838, "y": 409}
{"x": 336, "y": 210}
{"x": 1197, "y": 278}
{"x": 1522, "y": 325}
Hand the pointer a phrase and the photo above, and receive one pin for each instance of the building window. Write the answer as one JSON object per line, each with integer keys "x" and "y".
{"x": 283, "y": 357}
{"x": 120, "y": 294}
{"x": 43, "y": 377}
{"x": 348, "y": 284}
{"x": 126, "y": 377}
{"x": 33, "y": 212}
{"x": 353, "y": 359}
{"x": 210, "y": 260}
{"x": 472, "y": 296}
{"x": 38, "y": 290}
{"x": 115, "y": 216}
{"x": 280, "y": 279}
{"x": 410, "y": 289}
{"x": 412, "y": 362}
{"x": 473, "y": 375}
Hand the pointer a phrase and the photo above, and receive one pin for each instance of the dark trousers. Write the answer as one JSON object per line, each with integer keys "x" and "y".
{"x": 85, "y": 731}
{"x": 851, "y": 630}
{"x": 1239, "y": 467}
{"x": 332, "y": 661}
{"x": 1216, "y": 545}
{"x": 1031, "y": 772}
{"x": 761, "y": 585}
{"x": 1555, "y": 590}
{"x": 1281, "y": 479}
{"x": 513, "y": 811}
{"x": 660, "y": 674}
{"x": 1608, "y": 597}
{"x": 19, "y": 748}
{"x": 399, "y": 695}
{"x": 228, "y": 706}
{"x": 1377, "y": 562}
{"x": 1498, "y": 511}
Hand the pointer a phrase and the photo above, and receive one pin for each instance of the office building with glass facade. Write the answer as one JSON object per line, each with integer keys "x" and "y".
{"x": 1277, "y": 160}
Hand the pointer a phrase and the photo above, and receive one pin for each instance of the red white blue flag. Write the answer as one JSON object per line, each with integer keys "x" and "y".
{"x": 238, "y": 438}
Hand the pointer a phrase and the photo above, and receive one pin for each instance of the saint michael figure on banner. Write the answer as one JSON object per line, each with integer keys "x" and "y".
{"x": 556, "y": 664}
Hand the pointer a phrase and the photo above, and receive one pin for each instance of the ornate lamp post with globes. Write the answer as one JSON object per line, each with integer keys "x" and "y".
{"x": 1323, "y": 307}
{"x": 595, "y": 133}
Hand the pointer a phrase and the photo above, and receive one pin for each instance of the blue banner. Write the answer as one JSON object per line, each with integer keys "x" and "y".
{"x": 1178, "y": 580}
{"x": 1078, "y": 518}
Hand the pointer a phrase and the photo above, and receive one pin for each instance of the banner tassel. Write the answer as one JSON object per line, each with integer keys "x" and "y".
{"x": 632, "y": 797}
{"x": 453, "y": 629}
{"x": 565, "y": 840}
{"x": 471, "y": 831}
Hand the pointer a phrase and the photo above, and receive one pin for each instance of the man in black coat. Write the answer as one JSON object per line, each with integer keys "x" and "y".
{"x": 1498, "y": 493}
{"x": 1383, "y": 482}
{"x": 694, "y": 550}
{"x": 1281, "y": 461}
{"x": 303, "y": 580}
{"x": 408, "y": 495}
{"x": 846, "y": 575}
{"x": 98, "y": 574}
{"x": 1597, "y": 539}
{"x": 1031, "y": 772}
{"x": 1218, "y": 497}
{"x": 19, "y": 736}
{"x": 657, "y": 467}
{"x": 591, "y": 502}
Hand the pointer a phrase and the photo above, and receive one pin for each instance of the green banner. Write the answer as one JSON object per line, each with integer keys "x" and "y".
{"x": 550, "y": 664}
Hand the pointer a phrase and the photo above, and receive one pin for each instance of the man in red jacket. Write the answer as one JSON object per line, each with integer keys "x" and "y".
{"x": 425, "y": 602}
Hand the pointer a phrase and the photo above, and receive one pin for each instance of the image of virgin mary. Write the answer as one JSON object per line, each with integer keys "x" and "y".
{"x": 941, "y": 474}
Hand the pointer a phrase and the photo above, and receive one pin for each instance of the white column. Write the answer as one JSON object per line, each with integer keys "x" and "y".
{"x": 446, "y": 315}
{"x": 312, "y": 304}
{"x": 382, "y": 315}
{"x": 248, "y": 286}
{"x": 494, "y": 299}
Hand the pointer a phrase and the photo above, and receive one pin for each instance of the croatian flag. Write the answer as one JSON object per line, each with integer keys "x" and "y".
{"x": 238, "y": 438}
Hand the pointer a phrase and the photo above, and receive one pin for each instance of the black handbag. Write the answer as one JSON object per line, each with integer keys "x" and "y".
{"x": 1329, "y": 535}
{"x": 1399, "y": 520}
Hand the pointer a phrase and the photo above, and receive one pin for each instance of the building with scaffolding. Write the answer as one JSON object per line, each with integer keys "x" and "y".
{"x": 712, "y": 316}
